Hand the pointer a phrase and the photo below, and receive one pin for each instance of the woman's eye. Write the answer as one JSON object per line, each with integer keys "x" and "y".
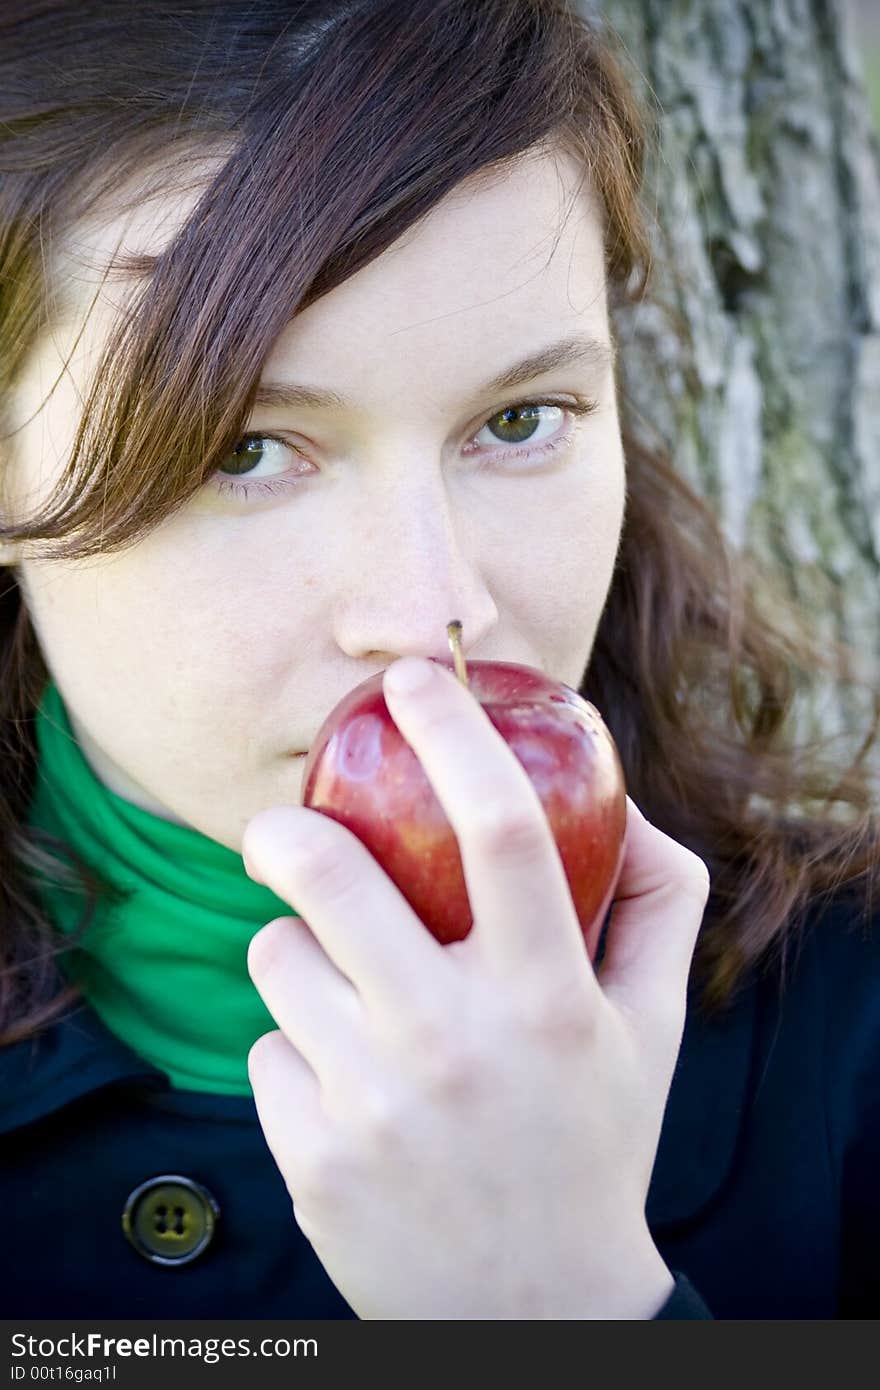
{"x": 522, "y": 424}
{"x": 530, "y": 429}
{"x": 260, "y": 465}
{"x": 253, "y": 450}
{"x": 239, "y": 476}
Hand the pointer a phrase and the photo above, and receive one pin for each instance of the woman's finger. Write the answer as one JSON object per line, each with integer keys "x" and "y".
{"x": 658, "y": 906}
{"x": 360, "y": 918}
{"x": 524, "y": 917}
{"x": 316, "y": 1007}
{"x": 288, "y": 1100}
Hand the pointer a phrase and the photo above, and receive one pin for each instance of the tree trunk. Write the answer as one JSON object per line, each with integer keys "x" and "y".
{"x": 757, "y": 361}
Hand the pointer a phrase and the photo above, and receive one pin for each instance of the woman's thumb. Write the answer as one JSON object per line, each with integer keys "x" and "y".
{"x": 656, "y": 912}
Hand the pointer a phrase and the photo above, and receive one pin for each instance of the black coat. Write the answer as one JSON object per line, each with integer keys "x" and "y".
{"x": 764, "y": 1192}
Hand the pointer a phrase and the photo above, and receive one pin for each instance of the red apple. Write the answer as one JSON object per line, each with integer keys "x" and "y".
{"x": 362, "y": 773}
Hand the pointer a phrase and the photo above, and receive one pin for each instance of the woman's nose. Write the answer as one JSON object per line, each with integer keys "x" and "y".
{"x": 409, "y": 573}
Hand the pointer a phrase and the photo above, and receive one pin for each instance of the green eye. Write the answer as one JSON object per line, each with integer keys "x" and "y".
{"x": 519, "y": 423}
{"x": 254, "y": 449}
{"x": 248, "y": 452}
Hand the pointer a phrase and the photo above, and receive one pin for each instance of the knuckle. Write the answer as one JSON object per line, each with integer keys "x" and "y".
{"x": 502, "y": 829}
{"x": 380, "y": 1122}
{"x": 263, "y": 1053}
{"x": 451, "y": 1072}
{"x": 265, "y": 949}
{"x": 326, "y": 1176}
{"x": 562, "y": 1018}
{"x": 427, "y": 1035}
{"x": 447, "y": 1063}
{"x": 328, "y": 870}
{"x": 695, "y": 879}
{"x": 438, "y": 717}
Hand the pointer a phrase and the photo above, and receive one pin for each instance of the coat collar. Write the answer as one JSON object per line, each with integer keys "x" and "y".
{"x": 71, "y": 1058}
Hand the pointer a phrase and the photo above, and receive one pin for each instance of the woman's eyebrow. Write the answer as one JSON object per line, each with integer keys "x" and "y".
{"x": 580, "y": 348}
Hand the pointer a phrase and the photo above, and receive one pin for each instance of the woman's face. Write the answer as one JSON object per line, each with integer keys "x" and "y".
{"x": 195, "y": 664}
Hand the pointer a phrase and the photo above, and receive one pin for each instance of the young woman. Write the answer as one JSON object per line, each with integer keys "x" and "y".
{"x": 305, "y": 313}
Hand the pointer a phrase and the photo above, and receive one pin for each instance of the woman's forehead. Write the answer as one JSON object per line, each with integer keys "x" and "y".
{"x": 138, "y": 220}
{"x": 529, "y": 198}
{"x": 508, "y": 263}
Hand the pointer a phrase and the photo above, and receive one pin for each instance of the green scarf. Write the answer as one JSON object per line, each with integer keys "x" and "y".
{"x": 166, "y": 971}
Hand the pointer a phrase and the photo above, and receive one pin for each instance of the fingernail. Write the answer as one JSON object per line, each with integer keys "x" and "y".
{"x": 409, "y": 674}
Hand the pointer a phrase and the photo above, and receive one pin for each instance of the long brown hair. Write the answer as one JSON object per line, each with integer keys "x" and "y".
{"x": 340, "y": 125}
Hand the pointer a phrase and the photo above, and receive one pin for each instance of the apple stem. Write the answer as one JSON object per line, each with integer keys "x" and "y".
{"x": 453, "y": 633}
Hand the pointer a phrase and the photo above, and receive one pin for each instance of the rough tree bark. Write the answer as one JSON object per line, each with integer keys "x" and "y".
{"x": 766, "y": 391}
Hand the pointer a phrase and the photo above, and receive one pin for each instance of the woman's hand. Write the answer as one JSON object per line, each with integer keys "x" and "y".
{"x": 469, "y": 1131}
